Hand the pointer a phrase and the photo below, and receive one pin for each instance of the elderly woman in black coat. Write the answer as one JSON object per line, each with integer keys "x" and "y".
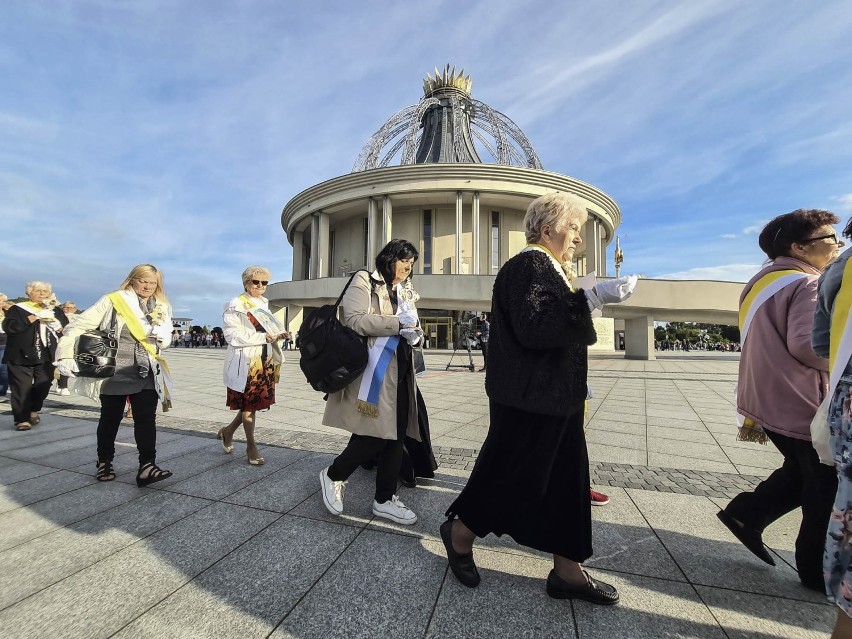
{"x": 32, "y": 330}
{"x": 531, "y": 479}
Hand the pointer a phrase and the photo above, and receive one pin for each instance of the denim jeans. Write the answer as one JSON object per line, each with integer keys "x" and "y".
{"x": 4, "y": 373}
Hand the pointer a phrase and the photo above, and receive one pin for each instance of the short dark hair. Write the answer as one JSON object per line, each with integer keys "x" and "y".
{"x": 847, "y": 231}
{"x": 780, "y": 234}
{"x": 393, "y": 252}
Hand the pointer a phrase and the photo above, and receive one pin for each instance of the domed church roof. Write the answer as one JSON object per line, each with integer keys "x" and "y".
{"x": 447, "y": 126}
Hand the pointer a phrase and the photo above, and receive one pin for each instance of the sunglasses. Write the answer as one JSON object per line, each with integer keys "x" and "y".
{"x": 260, "y": 282}
{"x": 832, "y": 237}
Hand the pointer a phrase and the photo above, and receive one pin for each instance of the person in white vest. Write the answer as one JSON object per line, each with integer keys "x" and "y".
{"x": 781, "y": 384}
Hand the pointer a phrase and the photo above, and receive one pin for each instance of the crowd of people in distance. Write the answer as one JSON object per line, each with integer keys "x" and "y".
{"x": 531, "y": 478}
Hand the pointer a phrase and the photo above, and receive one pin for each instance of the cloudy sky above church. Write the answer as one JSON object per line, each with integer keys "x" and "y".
{"x": 174, "y": 132}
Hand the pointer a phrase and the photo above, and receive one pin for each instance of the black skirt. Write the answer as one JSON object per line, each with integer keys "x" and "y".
{"x": 531, "y": 482}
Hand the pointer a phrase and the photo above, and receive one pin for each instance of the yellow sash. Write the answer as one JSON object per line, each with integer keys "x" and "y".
{"x": 135, "y": 327}
{"x": 762, "y": 290}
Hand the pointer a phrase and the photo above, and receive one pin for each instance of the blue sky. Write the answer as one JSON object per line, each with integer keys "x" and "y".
{"x": 174, "y": 132}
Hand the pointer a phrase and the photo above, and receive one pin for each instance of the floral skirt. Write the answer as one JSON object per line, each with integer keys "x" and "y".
{"x": 259, "y": 393}
{"x": 837, "y": 561}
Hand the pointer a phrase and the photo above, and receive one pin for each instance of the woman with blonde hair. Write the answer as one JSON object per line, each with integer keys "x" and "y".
{"x": 32, "y": 330}
{"x": 139, "y": 316}
{"x": 253, "y": 360}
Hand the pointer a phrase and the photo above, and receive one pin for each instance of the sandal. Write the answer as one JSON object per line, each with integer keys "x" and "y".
{"x": 105, "y": 471}
{"x": 221, "y": 436}
{"x": 34, "y": 418}
{"x": 153, "y": 473}
{"x": 23, "y": 426}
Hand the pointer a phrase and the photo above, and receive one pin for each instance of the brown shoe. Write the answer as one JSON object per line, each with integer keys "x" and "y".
{"x": 23, "y": 426}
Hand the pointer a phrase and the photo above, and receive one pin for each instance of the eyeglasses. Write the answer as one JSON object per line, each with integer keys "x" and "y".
{"x": 832, "y": 237}
{"x": 260, "y": 282}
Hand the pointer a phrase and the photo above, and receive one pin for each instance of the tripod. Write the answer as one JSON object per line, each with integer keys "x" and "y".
{"x": 469, "y": 365}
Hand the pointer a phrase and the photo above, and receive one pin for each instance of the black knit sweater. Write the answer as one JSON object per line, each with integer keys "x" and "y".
{"x": 540, "y": 331}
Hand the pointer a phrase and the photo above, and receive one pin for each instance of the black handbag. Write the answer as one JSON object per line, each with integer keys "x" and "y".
{"x": 95, "y": 351}
{"x": 333, "y": 355}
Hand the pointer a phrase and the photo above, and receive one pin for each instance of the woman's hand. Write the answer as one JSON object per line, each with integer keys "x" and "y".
{"x": 271, "y": 338}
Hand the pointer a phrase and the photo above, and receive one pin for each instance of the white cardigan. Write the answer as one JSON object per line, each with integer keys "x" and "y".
{"x": 244, "y": 340}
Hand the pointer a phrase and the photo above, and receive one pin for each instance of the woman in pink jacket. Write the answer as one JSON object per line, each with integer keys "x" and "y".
{"x": 781, "y": 384}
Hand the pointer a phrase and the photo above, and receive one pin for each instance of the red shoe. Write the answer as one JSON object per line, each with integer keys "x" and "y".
{"x": 598, "y": 499}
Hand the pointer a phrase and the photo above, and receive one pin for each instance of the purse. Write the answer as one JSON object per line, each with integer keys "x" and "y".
{"x": 95, "y": 352}
{"x": 418, "y": 360}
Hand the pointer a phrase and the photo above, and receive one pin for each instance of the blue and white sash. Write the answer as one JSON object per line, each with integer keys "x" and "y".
{"x": 379, "y": 359}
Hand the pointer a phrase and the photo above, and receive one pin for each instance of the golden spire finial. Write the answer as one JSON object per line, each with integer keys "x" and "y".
{"x": 447, "y": 79}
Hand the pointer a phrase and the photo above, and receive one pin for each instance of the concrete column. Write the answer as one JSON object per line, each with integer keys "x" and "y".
{"x": 387, "y": 222}
{"x": 313, "y": 270}
{"x": 298, "y": 255}
{"x": 371, "y": 231}
{"x": 323, "y": 244}
{"x": 458, "y": 264}
{"x": 602, "y": 253}
{"x": 592, "y": 242}
{"x": 474, "y": 223}
{"x": 639, "y": 338}
{"x": 295, "y": 317}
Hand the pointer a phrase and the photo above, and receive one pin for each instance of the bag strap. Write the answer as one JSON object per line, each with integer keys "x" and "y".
{"x": 351, "y": 277}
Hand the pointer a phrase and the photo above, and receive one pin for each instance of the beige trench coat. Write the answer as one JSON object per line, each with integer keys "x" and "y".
{"x": 371, "y": 314}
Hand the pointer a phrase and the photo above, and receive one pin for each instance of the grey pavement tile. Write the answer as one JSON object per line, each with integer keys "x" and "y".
{"x": 43, "y": 561}
{"x": 510, "y": 601}
{"x": 707, "y": 552}
{"x": 606, "y": 425}
{"x": 756, "y": 471}
{"x": 623, "y": 440}
{"x": 627, "y": 416}
{"x": 680, "y": 424}
{"x": 697, "y": 435}
{"x": 624, "y": 542}
{"x": 286, "y": 488}
{"x": 249, "y": 591}
{"x": 45, "y": 432}
{"x": 672, "y": 414}
{"x": 39, "y": 488}
{"x": 615, "y": 454}
{"x": 192, "y": 455}
{"x": 759, "y": 457}
{"x": 685, "y": 448}
{"x": 339, "y": 605}
{"x": 648, "y": 608}
{"x": 39, "y": 450}
{"x": 749, "y": 616}
{"x": 13, "y": 471}
{"x": 219, "y": 482}
{"x": 101, "y": 599}
{"x": 357, "y": 500}
{"x": 664, "y": 460}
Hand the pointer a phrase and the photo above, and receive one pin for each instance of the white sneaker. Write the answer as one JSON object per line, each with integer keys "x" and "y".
{"x": 395, "y": 510}
{"x": 3, "y": 399}
{"x": 332, "y": 493}
{"x": 64, "y": 392}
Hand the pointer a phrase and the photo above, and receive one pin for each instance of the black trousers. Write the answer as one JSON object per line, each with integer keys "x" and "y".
{"x": 800, "y": 482}
{"x": 144, "y": 405}
{"x": 30, "y": 385}
{"x": 484, "y": 347}
{"x": 362, "y": 449}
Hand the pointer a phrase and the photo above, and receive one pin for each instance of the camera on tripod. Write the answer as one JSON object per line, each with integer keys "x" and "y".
{"x": 466, "y": 339}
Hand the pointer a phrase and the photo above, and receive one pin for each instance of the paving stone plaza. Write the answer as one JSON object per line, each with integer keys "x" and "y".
{"x": 225, "y": 549}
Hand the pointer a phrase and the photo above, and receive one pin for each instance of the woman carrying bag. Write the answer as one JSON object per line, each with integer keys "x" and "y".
{"x": 139, "y": 315}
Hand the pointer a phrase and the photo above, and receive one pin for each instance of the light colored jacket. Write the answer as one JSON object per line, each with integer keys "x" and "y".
{"x": 99, "y": 316}
{"x": 245, "y": 342}
{"x": 781, "y": 380}
{"x": 370, "y": 313}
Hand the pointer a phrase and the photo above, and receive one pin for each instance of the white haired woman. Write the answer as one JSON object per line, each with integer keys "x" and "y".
{"x": 253, "y": 359}
{"x": 531, "y": 479}
{"x": 139, "y": 315}
{"x": 32, "y": 330}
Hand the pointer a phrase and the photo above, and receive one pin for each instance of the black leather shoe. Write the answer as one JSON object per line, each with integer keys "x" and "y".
{"x": 817, "y": 584}
{"x": 749, "y": 537}
{"x": 596, "y": 592}
{"x": 463, "y": 566}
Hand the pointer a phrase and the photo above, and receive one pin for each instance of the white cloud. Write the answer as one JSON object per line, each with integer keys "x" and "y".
{"x": 723, "y": 272}
{"x": 845, "y": 202}
{"x": 729, "y": 236}
{"x": 754, "y": 229}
